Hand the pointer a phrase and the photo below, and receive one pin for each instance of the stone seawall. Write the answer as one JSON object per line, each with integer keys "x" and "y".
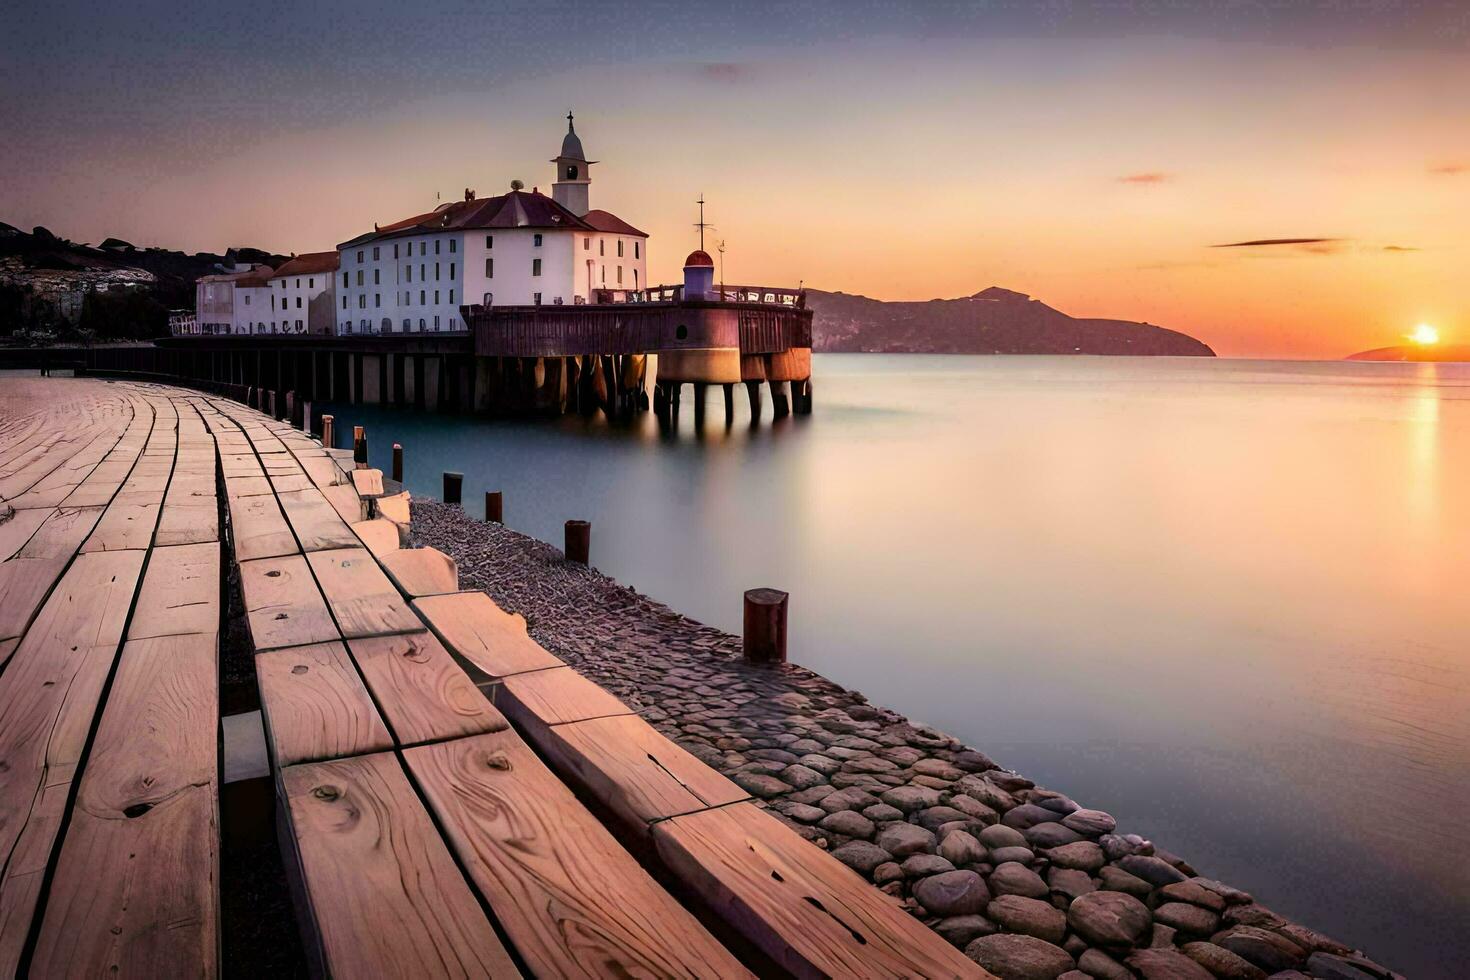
{"x": 1028, "y": 882}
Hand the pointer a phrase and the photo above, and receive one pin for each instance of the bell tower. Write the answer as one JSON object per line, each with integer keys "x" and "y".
{"x": 573, "y": 177}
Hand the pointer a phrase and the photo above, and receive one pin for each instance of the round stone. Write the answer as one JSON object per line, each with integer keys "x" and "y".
{"x": 1167, "y": 964}
{"x": 961, "y": 930}
{"x": 952, "y": 893}
{"x": 900, "y": 839}
{"x": 1029, "y": 916}
{"x": 1194, "y": 894}
{"x": 805, "y": 813}
{"x": 847, "y": 823}
{"x": 802, "y": 777}
{"x": 935, "y": 817}
{"x": 973, "y": 808}
{"x": 1118, "y": 880}
{"x": 886, "y": 872}
{"x": 910, "y": 798}
{"x": 1221, "y": 962}
{"x": 1156, "y": 871}
{"x": 1020, "y": 957}
{"x": 961, "y": 847}
{"x": 861, "y": 856}
{"x": 1012, "y": 878}
{"x": 1190, "y": 919}
{"x": 1102, "y": 966}
{"x": 1112, "y": 920}
{"x": 756, "y": 784}
{"x": 1029, "y": 815}
{"x": 1000, "y": 835}
{"x": 1069, "y": 882}
{"x": 1090, "y": 823}
{"x": 1051, "y": 835}
{"x": 1020, "y": 855}
{"x": 1081, "y": 856}
{"x": 882, "y": 813}
{"x": 921, "y": 865}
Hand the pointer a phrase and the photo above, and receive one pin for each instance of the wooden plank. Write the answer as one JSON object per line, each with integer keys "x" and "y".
{"x": 570, "y": 899}
{"x": 24, "y": 583}
{"x": 48, "y": 698}
{"x": 383, "y": 893}
{"x": 62, "y": 533}
{"x": 345, "y": 501}
{"x": 637, "y": 773}
{"x": 394, "y": 508}
{"x": 381, "y": 537}
{"x": 180, "y": 592}
{"x": 316, "y": 523}
{"x": 423, "y": 694}
{"x": 20, "y": 890}
{"x": 362, "y": 599}
{"x": 136, "y": 889}
{"x": 17, "y": 528}
{"x": 291, "y": 482}
{"x": 316, "y": 706}
{"x": 368, "y": 483}
{"x": 259, "y": 528}
{"x": 557, "y": 696}
{"x": 324, "y": 472}
{"x": 127, "y": 523}
{"x": 283, "y": 606}
{"x": 478, "y": 630}
{"x": 248, "y": 486}
{"x": 421, "y": 571}
{"x": 803, "y": 907}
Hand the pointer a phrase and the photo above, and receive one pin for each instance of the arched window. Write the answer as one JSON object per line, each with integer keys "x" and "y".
{"x": 571, "y": 172}
{"x": 421, "y": 324}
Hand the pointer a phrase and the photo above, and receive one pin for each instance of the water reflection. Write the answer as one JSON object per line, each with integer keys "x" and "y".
{"x": 1220, "y": 599}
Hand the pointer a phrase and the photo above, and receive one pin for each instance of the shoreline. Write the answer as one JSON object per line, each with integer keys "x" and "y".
{"x": 1024, "y": 879}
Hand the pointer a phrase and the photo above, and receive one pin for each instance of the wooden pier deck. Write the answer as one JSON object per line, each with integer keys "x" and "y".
{"x": 451, "y": 799}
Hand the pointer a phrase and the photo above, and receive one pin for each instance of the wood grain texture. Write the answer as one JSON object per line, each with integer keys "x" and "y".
{"x": 384, "y": 894}
{"x": 421, "y": 571}
{"x": 259, "y": 528}
{"x": 127, "y": 523}
{"x": 571, "y": 900}
{"x": 62, "y": 533}
{"x": 636, "y": 772}
{"x": 187, "y": 524}
{"x": 316, "y": 523}
{"x": 248, "y": 486}
{"x": 346, "y": 503}
{"x": 294, "y": 482}
{"x": 315, "y": 705}
{"x": 17, "y": 529}
{"x": 394, "y": 508}
{"x": 475, "y": 628}
{"x": 362, "y": 599}
{"x": 24, "y": 583}
{"x": 324, "y": 471}
{"x": 368, "y": 483}
{"x": 283, "y": 606}
{"x": 557, "y": 696}
{"x": 803, "y": 907}
{"x": 48, "y": 699}
{"x": 136, "y": 889}
{"x": 378, "y": 536}
{"x": 423, "y": 694}
{"x": 180, "y": 592}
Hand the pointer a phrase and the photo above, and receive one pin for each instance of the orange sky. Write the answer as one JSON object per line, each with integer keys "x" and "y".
{"x": 1094, "y": 174}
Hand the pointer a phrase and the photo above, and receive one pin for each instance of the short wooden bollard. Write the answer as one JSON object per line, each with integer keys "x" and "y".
{"x": 494, "y": 506}
{"x": 306, "y": 416}
{"x": 453, "y": 482}
{"x": 765, "y": 626}
{"x": 327, "y": 431}
{"x": 359, "y": 447}
{"x": 397, "y": 463}
{"x": 578, "y": 541}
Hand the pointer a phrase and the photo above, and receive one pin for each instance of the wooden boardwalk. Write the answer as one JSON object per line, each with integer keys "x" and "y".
{"x": 452, "y": 799}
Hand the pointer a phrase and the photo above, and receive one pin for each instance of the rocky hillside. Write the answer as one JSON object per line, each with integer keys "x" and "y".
{"x": 993, "y": 321}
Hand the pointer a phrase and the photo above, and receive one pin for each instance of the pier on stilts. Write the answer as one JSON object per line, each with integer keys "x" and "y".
{"x": 450, "y": 799}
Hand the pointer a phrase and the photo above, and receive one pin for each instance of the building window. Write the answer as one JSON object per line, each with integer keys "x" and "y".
{"x": 436, "y": 271}
{"x": 421, "y": 323}
{"x": 637, "y": 250}
{"x": 571, "y": 172}
{"x": 436, "y": 323}
{"x": 344, "y": 302}
{"x": 536, "y": 240}
{"x": 436, "y": 297}
{"x": 359, "y": 255}
{"x": 451, "y": 297}
{"x": 422, "y": 294}
{"x": 604, "y": 275}
{"x": 436, "y": 246}
{"x": 489, "y": 268}
{"x": 423, "y": 248}
{"x": 587, "y": 243}
{"x": 535, "y": 267}
{"x": 298, "y": 283}
{"x": 536, "y": 298}
{"x": 602, "y": 246}
{"x": 359, "y": 277}
{"x": 345, "y": 280}
{"x": 311, "y": 283}
{"x": 409, "y": 270}
{"x": 362, "y": 302}
{"x": 247, "y": 299}
{"x": 377, "y": 300}
{"x": 423, "y": 272}
{"x": 451, "y": 271}
{"x": 620, "y": 248}
{"x": 407, "y": 324}
{"x": 376, "y": 280}
{"x": 620, "y": 275}
{"x": 298, "y": 326}
{"x": 298, "y": 302}
{"x": 489, "y": 241}
{"x": 395, "y": 250}
{"x": 453, "y": 245}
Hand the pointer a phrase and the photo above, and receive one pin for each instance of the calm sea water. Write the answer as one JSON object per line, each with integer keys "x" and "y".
{"x": 1224, "y": 600}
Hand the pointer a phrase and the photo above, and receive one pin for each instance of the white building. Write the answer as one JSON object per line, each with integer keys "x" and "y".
{"x": 232, "y": 302}
{"x": 518, "y": 249}
{"x": 302, "y": 295}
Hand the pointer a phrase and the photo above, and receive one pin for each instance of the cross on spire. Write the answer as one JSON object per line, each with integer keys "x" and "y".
{"x": 701, "y": 224}
{"x": 570, "y": 127}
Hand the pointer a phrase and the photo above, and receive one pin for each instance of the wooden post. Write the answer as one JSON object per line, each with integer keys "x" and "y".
{"x": 699, "y": 392}
{"x": 494, "y": 506}
{"x": 753, "y": 389}
{"x": 359, "y": 447}
{"x": 452, "y": 484}
{"x": 306, "y": 416}
{"x": 578, "y": 541}
{"x": 272, "y": 405}
{"x": 779, "y": 405}
{"x": 729, "y": 403}
{"x": 765, "y": 626}
{"x": 397, "y": 463}
{"x": 327, "y": 431}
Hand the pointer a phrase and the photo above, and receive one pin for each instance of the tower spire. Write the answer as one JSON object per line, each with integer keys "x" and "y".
{"x": 701, "y": 224}
{"x": 570, "y": 127}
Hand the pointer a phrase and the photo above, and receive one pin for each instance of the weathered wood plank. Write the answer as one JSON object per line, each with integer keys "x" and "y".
{"x": 180, "y": 592}
{"x": 557, "y": 696}
{"x": 368, "y": 483}
{"x": 136, "y": 889}
{"x": 248, "y": 486}
{"x": 316, "y": 706}
{"x": 423, "y": 694}
{"x": 17, "y": 529}
{"x": 48, "y": 698}
{"x": 362, "y": 599}
{"x": 20, "y": 890}
{"x": 345, "y": 501}
{"x": 24, "y": 583}
{"x": 637, "y": 773}
{"x": 127, "y": 523}
{"x": 379, "y": 536}
{"x": 384, "y": 894}
{"x": 478, "y": 630}
{"x": 567, "y": 895}
{"x": 394, "y": 508}
{"x": 316, "y": 523}
{"x": 62, "y": 533}
{"x": 259, "y": 528}
{"x": 188, "y": 524}
{"x": 421, "y": 571}
{"x": 283, "y": 606}
{"x": 808, "y": 911}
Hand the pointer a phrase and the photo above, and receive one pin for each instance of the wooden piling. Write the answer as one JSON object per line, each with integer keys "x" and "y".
{"x": 359, "y": 447}
{"x": 699, "y": 393}
{"x": 397, "y": 463}
{"x": 306, "y": 416}
{"x": 453, "y": 482}
{"x": 753, "y": 389}
{"x": 494, "y": 506}
{"x": 779, "y": 405}
{"x": 327, "y": 432}
{"x": 765, "y": 625}
{"x": 729, "y": 403}
{"x": 578, "y": 541}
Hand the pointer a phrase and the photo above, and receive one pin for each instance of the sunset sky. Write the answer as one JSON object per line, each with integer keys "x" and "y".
{"x": 1094, "y": 158}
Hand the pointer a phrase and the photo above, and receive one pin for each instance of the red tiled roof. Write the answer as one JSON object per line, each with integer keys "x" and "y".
{"x": 517, "y": 209}
{"x": 308, "y": 263}
{"x": 698, "y": 258}
{"x": 611, "y": 223}
{"x": 250, "y": 277}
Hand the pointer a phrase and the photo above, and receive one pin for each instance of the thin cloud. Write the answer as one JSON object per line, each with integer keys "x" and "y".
{"x": 1401, "y": 248}
{"x": 1146, "y": 178}
{"x": 1454, "y": 169}
{"x": 1264, "y": 242}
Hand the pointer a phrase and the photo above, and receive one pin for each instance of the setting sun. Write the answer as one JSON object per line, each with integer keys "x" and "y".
{"x": 1424, "y": 334}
